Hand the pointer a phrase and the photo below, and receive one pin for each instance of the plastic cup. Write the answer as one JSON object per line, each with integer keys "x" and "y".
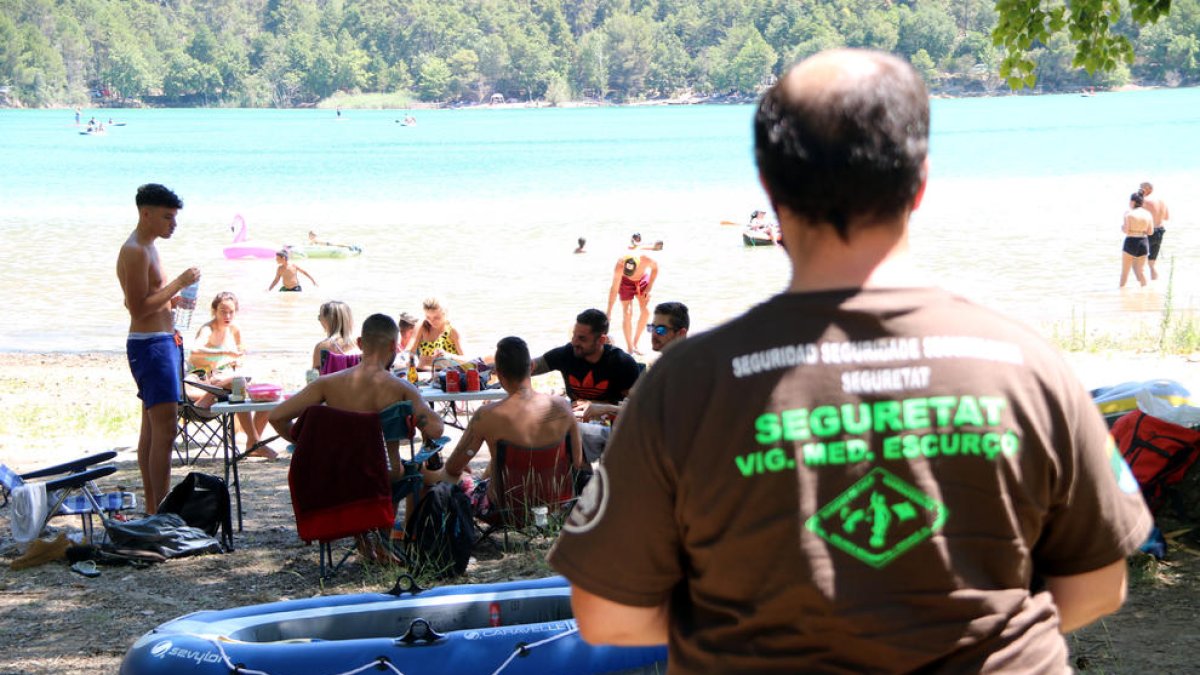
{"x": 540, "y": 514}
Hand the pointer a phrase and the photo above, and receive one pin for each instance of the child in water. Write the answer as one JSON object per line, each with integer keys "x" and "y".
{"x": 215, "y": 358}
{"x": 288, "y": 271}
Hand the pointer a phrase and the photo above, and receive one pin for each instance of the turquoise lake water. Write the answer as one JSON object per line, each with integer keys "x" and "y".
{"x": 481, "y": 208}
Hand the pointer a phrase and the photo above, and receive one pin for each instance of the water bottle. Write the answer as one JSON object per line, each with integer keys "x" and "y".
{"x": 412, "y": 374}
{"x": 398, "y": 525}
{"x": 187, "y": 304}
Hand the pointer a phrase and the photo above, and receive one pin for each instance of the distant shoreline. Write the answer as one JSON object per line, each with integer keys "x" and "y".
{"x": 352, "y": 101}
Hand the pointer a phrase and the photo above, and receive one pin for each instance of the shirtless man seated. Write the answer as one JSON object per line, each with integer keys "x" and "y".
{"x": 289, "y": 272}
{"x": 367, "y": 387}
{"x": 633, "y": 276}
{"x": 525, "y": 417}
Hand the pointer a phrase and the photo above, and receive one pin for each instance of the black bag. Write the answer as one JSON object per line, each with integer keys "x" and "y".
{"x": 442, "y": 533}
{"x": 162, "y": 533}
{"x": 202, "y": 500}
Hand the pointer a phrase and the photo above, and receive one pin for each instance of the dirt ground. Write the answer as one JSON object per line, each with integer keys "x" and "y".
{"x": 56, "y": 621}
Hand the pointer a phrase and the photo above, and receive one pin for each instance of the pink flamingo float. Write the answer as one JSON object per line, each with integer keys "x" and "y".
{"x": 244, "y": 248}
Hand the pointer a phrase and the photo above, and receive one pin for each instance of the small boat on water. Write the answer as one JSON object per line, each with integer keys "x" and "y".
{"x": 511, "y": 627}
{"x": 752, "y": 237}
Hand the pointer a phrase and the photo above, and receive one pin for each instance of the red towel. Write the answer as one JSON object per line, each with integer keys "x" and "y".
{"x": 335, "y": 362}
{"x": 338, "y": 475}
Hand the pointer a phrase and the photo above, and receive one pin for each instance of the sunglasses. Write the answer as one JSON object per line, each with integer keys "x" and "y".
{"x": 658, "y": 329}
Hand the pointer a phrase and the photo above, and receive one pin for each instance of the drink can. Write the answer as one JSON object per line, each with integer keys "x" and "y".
{"x": 238, "y": 390}
{"x": 452, "y": 381}
{"x": 472, "y": 380}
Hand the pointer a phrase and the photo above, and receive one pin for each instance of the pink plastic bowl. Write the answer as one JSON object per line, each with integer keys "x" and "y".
{"x": 264, "y": 392}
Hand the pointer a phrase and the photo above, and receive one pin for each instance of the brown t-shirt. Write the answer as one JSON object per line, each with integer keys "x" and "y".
{"x": 856, "y": 481}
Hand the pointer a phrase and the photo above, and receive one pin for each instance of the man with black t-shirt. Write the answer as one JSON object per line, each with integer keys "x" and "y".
{"x": 593, "y": 370}
{"x": 864, "y": 473}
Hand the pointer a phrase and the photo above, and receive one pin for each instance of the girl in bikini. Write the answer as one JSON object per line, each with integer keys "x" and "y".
{"x": 215, "y": 359}
{"x": 1138, "y": 226}
{"x": 435, "y": 337}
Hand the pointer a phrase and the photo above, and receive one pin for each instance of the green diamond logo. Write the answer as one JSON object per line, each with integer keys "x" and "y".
{"x": 878, "y": 518}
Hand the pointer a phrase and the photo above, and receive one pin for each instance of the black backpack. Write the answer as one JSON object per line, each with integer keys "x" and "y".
{"x": 202, "y": 500}
{"x": 442, "y": 533}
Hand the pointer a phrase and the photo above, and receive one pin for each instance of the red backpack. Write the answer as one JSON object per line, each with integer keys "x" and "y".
{"x": 1158, "y": 452}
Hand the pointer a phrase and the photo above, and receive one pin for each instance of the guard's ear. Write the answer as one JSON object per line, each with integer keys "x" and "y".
{"x": 924, "y": 182}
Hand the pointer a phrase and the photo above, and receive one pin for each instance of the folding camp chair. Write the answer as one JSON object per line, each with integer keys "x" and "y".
{"x": 527, "y": 478}
{"x": 71, "y": 490}
{"x": 198, "y": 428}
{"x": 339, "y": 481}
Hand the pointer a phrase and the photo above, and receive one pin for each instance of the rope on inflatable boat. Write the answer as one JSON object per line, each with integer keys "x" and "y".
{"x": 521, "y": 650}
{"x": 380, "y": 662}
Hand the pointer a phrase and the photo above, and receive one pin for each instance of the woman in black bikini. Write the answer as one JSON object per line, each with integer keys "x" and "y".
{"x": 1138, "y": 225}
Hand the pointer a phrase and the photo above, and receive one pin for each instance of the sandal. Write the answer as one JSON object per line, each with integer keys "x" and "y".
{"x": 87, "y": 568}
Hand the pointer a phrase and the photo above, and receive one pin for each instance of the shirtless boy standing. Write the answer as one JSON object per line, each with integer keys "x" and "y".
{"x": 154, "y": 356}
{"x": 633, "y": 276}
{"x": 288, "y": 271}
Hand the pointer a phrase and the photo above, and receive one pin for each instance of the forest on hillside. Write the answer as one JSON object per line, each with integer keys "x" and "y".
{"x": 286, "y": 53}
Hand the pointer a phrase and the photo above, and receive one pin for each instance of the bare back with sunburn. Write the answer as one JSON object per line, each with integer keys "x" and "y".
{"x": 361, "y": 389}
{"x": 527, "y": 418}
{"x": 1158, "y": 210}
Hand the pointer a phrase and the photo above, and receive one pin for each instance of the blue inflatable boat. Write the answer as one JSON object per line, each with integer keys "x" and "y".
{"x": 506, "y": 628}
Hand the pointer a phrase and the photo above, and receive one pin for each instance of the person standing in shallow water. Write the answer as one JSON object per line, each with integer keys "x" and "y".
{"x": 1157, "y": 208}
{"x": 1138, "y": 225}
{"x": 155, "y": 358}
{"x": 633, "y": 277}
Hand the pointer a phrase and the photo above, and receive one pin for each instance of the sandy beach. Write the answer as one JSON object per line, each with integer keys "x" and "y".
{"x": 59, "y": 406}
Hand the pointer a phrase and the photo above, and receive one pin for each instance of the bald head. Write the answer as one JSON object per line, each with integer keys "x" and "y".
{"x": 843, "y": 138}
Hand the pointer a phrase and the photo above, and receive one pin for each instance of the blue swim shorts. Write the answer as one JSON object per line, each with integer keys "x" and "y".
{"x": 155, "y": 361}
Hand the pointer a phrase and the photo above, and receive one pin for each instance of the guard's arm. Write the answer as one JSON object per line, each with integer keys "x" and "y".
{"x": 1084, "y": 598}
{"x": 604, "y": 622}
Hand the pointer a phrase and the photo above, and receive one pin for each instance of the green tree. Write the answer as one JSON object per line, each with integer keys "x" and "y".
{"x": 630, "y": 46}
{"x": 670, "y": 65}
{"x": 926, "y": 28}
{"x": 127, "y": 71}
{"x": 591, "y": 64}
{"x": 924, "y": 65}
{"x": 433, "y": 79}
{"x": 742, "y": 61}
{"x": 1094, "y": 46}
{"x": 464, "y": 73}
